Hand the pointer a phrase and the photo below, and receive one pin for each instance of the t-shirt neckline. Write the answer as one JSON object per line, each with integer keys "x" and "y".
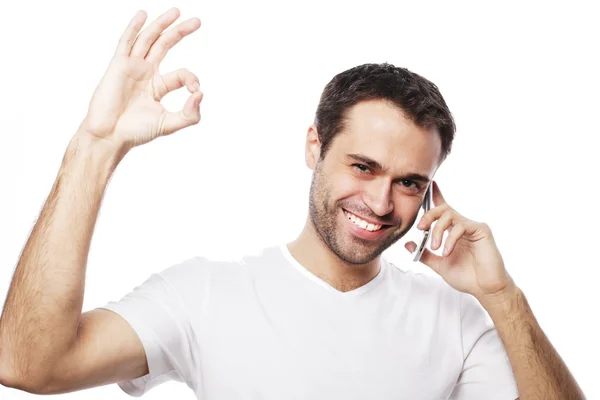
{"x": 351, "y": 293}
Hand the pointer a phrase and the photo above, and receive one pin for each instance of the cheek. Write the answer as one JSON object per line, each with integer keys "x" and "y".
{"x": 346, "y": 186}
{"x": 405, "y": 207}
{"x": 408, "y": 208}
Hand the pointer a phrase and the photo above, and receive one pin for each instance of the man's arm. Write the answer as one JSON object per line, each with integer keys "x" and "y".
{"x": 42, "y": 315}
{"x": 539, "y": 370}
{"x": 46, "y": 344}
{"x": 471, "y": 263}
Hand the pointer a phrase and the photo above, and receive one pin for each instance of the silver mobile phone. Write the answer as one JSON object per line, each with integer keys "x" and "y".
{"x": 427, "y": 202}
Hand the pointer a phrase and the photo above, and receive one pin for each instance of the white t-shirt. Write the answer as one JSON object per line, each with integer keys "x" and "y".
{"x": 267, "y": 328}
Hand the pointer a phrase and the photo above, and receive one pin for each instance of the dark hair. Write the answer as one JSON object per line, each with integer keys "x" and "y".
{"x": 419, "y": 99}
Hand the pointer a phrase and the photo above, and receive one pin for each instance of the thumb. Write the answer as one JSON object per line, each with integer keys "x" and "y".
{"x": 188, "y": 115}
{"x": 428, "y": 257}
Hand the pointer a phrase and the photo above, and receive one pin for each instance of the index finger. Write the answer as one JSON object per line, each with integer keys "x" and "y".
{"x": 130, "y": 33}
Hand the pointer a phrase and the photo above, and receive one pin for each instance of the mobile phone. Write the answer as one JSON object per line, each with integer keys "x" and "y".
{"x": 427, "y": 202}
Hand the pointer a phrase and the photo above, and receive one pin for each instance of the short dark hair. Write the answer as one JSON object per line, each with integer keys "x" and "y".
{"x": 419, "y": 99}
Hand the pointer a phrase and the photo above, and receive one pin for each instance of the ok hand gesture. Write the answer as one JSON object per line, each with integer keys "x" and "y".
{"x": 125, "y": 108}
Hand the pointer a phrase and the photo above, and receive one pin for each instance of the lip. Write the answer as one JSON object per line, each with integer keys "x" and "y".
{"x": 362, "y": 233}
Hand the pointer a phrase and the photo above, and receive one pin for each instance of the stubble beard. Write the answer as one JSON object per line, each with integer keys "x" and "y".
{"x": 324, "y": 218}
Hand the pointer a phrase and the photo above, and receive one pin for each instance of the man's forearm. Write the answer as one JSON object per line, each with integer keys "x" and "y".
{"x": 42, "y": 310}
{"x": 539, "y": 371}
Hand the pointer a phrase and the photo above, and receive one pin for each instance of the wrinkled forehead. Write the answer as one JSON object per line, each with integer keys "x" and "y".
{"x": 380, "y": 131}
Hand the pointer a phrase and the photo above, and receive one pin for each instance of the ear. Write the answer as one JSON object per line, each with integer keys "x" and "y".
{"x": 313, "y": 147}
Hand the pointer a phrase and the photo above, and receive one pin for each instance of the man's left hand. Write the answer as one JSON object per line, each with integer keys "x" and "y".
{"x": 470, "y": 261}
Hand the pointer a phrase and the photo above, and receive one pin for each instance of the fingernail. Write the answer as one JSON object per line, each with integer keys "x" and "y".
{"x": 434, "y": 242}
{"x": 421, "y": 224}
{"x": 195, "y": 86}
{"x": 446, "y": 250}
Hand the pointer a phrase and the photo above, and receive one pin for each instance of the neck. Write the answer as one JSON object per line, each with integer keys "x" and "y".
{"x": 310, "y": 251}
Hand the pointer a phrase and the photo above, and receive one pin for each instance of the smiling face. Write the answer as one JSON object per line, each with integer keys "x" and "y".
{"x": 377, "y": 168}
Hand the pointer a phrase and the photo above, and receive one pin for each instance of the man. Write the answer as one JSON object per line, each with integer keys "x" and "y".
{"x": 323, "y": 317}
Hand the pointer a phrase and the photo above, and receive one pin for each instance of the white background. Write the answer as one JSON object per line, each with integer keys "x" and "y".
{"x": 520, "y": 78}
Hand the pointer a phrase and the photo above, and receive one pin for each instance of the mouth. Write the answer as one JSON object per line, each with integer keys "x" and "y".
{"x": 362, "y": 228}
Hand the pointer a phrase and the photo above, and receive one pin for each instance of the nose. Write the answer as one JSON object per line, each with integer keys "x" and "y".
{"x": 378, "y": 197}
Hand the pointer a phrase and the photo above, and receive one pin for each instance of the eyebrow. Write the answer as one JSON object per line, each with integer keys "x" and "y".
{"x": 377, "y": 166}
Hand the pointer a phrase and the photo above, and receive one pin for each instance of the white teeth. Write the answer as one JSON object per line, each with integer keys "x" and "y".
{"x": 363, "y": 224}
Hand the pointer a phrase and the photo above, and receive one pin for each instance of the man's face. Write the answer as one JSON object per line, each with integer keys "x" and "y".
{"x": 344, "y": 184}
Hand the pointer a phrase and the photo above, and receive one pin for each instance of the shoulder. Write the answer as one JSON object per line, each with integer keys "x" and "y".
{"x": 431, "y": 295}
{"x": 191, "y": 270}
{"x": 199, "y": 274}
{"x": 430, "y": 285}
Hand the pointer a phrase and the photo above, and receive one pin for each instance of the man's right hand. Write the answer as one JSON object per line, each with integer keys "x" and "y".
{"x": 125, "y": 108}
{"x": 47, "y": 345}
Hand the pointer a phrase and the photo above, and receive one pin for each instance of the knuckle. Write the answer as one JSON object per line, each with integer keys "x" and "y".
{"x": 177, "y": 36}
{"x": 169, "y": 40}
{"x": 181, "y": 74}
{"x": 164, "y": 45}
{"x": 193, "y": 118}
{"x": 126, "y": 42}
{"x": 448, "y": 216}
{"x": 146, "y": 40}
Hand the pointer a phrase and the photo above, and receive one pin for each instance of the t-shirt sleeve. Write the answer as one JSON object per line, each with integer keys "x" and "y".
{"x": 157, "y": 313}
{"x": 486, "y": 372}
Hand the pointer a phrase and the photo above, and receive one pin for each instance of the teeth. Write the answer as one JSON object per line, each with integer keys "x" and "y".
{"x": 363, "y": 224}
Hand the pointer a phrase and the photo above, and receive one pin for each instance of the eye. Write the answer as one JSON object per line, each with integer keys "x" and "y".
{"x": 361, "y": 167}
{"x": 411, "y": 185}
